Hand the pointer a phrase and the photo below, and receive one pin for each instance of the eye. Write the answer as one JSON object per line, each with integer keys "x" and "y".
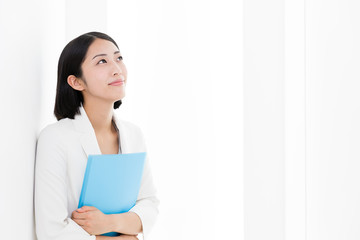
{"x": 102, "y": 61}
{"x": 120, "y": 58}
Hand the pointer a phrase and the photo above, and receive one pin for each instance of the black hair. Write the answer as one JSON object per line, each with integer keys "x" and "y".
{"x": 68, "y": 100}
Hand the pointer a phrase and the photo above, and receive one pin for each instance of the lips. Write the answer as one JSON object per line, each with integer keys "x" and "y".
{"x": 118, "y": 82}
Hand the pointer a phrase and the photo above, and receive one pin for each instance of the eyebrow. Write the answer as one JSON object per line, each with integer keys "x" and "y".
{"x": 103, "y": 54}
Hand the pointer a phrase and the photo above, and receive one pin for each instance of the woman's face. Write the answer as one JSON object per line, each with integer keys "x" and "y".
{"x": 103, "y": 72}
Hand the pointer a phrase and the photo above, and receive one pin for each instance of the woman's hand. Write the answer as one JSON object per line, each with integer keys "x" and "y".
{"x": 92, "y": 220}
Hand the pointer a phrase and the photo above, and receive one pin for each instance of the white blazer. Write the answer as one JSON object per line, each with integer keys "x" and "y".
{"x": 61, "y": 158}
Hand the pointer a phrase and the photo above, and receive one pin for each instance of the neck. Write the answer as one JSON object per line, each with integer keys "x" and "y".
{"x": 100, "y": 116}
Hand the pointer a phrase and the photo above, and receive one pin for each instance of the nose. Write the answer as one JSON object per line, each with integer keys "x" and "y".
{"x": 117, "y": 70}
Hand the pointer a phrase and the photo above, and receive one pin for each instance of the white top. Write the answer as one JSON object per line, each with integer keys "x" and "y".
{"x": 61, "y": 158}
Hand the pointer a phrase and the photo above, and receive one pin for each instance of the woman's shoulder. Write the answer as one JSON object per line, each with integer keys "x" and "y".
{"x": 56, "y": 130}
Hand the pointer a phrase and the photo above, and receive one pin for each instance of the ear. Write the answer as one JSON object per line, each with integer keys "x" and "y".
{"x": 75, "y": 83}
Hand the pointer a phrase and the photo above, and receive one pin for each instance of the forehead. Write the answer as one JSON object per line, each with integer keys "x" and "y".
{"x": 101, "y": 46}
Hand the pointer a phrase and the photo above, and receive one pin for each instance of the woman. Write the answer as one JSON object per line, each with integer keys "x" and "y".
{"x": 91, "y": 83}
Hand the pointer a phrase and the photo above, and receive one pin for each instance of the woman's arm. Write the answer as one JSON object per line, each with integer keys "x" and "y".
{"x": 93, "y": 221}
{"x": 51, "y": 206}
{"x": 127, "y": 223}
{"x": 139, "y": 219}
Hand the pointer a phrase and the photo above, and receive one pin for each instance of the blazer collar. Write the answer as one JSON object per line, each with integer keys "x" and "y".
{"x": 88, "y": 138}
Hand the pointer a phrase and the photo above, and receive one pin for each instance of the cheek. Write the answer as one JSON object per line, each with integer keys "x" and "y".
{"x": 95, "y": 77}
{"x": 123, "y": 68}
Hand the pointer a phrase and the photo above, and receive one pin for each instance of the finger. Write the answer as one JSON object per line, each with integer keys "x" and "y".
{"x": 87, "y": 208}
{"x": 80, "y": 210}
{"x": 77, "y": 215}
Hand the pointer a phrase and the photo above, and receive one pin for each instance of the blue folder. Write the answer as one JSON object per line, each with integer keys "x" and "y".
{"x": 112, "y": 182}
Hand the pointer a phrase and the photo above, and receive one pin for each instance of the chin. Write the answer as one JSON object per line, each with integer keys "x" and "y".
{"x": 119, "y": 96}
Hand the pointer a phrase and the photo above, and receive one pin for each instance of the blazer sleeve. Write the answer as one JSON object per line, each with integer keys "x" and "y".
{"x": 147, "y": 204}
{"x": 51, "y": 212}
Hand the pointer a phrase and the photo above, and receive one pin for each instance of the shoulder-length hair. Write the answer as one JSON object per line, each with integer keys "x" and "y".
{"x": 68, "y": 100}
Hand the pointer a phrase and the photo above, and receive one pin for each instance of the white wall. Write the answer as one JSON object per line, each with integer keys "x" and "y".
{"x": 20, "y": 68}
{"x": 264, "y": 119}
{"x": 333, "y": 116}
{"x": 185, "y": 90}
{"x": 294, "y": 119}
{"x": 301, "y": 119}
